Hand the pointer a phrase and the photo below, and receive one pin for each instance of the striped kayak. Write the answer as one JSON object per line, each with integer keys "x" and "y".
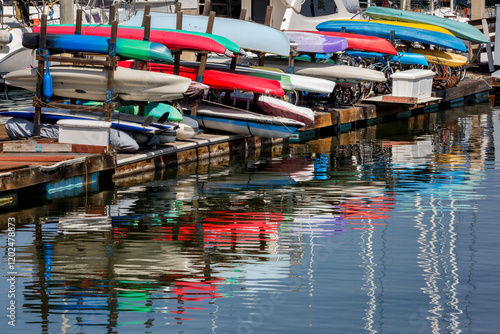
{"x": 423, "y": 26}
{"x": 405, "y": 58}
{"x": 315, "y": 43}
{"x": 459, "y": 29}
{"x": 126, "y": 48}
{"x": 360, "y": 42}
{"x": 440, "y": 57}
{"x": 172, "y": 39}
{"x": 388, "y": 31}
{"x": 248, "y": 35}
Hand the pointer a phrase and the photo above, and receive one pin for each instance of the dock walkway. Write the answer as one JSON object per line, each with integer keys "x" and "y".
{"x": 39, "y": 168}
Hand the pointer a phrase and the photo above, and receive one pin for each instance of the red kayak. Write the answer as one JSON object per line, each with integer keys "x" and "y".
{"x": 361, "y": 42}
{"x": 219, "y": 79}
{"x": 172, "y": 40}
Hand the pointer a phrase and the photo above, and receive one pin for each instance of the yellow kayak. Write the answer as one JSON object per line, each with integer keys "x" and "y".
{"x": 439, "y": 57}
{"x": 415, "y": 25}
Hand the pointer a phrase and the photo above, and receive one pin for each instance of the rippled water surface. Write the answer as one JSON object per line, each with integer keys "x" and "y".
{"x": 387, "y": 229}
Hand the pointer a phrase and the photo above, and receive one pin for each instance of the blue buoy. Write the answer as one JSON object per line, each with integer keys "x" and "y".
{"x": 47, "y": 79}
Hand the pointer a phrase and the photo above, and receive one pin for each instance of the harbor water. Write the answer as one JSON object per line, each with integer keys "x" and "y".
{"x": 389, "y": 228}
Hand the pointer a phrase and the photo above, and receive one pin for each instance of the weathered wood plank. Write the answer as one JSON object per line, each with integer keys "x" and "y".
{"x": 34, "y": 175}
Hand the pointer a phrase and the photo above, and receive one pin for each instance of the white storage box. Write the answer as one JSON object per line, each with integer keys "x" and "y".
{"x": 412, "y": 83}
{"x": 85, "y": 132}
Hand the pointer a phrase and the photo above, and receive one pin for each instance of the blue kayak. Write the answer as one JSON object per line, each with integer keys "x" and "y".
{"x": 126, "y": 48}
{"x": 405, "y": 58}
{"x": 389, "y": 31}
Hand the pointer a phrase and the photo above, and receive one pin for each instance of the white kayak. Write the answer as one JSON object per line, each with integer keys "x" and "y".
{"x": 90, "y": 83}
{"x": 325, "y": 70}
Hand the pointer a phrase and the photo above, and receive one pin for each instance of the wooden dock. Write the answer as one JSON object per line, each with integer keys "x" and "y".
{"x": 41, "y": 167}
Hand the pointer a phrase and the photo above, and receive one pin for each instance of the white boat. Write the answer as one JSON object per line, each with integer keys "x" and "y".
{"x": 17, "y": 18}
{"x": 13, "y": 55}
{"x": 243, "y": 122}
{"x": 285, "y": 14}
{"x": 90, "y": 83}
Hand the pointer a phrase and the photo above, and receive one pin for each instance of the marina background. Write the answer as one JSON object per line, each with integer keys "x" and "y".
{"x": 386, "y": 228}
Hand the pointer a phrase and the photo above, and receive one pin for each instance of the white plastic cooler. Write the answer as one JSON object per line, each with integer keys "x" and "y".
{"x": 412, "y": 83}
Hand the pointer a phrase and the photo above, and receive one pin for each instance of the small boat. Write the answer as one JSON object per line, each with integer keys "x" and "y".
{"x": 248, "y": 35}
{"x": 90, "y": 83}
{"x": 275, "y": 107}
{"x": 404, "y": 33}
{"x": 315, "y": 43}
{"x": 405, "y": 58}
{"x": 219, "y": 79}
{"x": 125, "y": 48}
{"x": 459, "y": 29}
{"x": 361, "y": 42}
{"x": 171, "y": 38}
{"x": 243, "y": 122}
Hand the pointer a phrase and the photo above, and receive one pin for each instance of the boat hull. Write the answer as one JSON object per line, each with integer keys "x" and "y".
{"x": 14, "y": 56}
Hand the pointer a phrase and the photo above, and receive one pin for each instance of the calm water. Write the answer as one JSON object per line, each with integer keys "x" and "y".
{"x": 387, "y": 229}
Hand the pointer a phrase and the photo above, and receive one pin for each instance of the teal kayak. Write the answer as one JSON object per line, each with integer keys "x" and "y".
{"x": 459, "y": 29}
{"x": 155, "y": 109}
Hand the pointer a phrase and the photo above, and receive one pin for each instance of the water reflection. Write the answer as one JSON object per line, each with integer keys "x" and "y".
{"x": 392, "y": 207}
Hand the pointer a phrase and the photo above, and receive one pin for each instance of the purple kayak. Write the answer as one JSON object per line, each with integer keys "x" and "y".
{"x": 315, "y": 43}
